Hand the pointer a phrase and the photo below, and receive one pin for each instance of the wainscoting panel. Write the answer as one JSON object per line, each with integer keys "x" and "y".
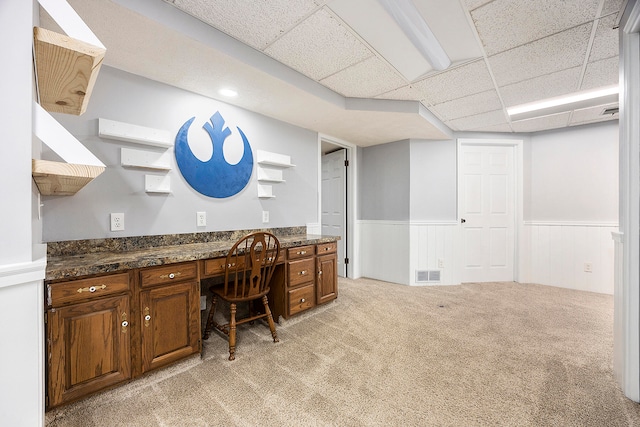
{"x": 384, "y": 250}
{"x": 433, "y": 247}
{"x": 561, "y": 254}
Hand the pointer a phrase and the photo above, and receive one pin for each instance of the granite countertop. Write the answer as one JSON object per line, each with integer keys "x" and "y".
{"x": 87, "y": 262}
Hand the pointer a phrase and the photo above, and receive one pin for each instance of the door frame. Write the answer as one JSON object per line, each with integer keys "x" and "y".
{"x": 518, "y": 248}
{"x": 352, "y": 270}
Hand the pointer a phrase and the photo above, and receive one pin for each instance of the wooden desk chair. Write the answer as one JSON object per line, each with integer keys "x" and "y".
{"x": 249, "y": 267}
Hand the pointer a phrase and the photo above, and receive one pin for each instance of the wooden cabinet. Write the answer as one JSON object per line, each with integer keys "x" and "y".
{"x": 327, "y": 268}
{"x": 308, "y": 278}
{"x": 88, "y": 337}
{"x": 107, "y": 329}
{"x": 169, "y": 314}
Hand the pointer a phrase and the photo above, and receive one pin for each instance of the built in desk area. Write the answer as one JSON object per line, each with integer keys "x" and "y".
{"x": 118, "y": 308}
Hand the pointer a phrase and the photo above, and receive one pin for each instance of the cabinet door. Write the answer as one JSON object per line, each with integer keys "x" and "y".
{"x": 170, "y": 323}
{"x": 89, "y": 348}
{"x": 327, "y": 283}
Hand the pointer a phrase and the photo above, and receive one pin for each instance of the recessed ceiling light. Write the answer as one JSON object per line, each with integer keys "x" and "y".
{"x": 573, "y": 101}
{"x": 228, "y": 92}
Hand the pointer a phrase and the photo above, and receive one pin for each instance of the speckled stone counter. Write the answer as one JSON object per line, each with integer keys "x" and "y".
{"x": 75, "y": 258}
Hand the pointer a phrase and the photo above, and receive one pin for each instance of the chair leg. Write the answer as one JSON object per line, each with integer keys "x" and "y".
{"x": 209, "y": 325}
{"x": 272, "y": 325}
{"x": 232, "y": 332}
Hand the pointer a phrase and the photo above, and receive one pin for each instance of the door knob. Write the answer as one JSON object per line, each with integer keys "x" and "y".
{"x": 462, "y": 220}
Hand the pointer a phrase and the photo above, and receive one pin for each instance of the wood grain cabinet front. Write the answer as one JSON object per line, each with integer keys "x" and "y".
{"x": 309, "y": 277}
{"x": 89, "y": 348}
{"x": 169, "y": 316}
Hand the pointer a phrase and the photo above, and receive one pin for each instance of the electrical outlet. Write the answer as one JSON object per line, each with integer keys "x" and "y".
{"x": 440, "y": 263}
{"x": 117, "y": 221}
{"x": 201, "y": 219}
{"x": 588, "y": 267}
{"x": 265, "y": 217}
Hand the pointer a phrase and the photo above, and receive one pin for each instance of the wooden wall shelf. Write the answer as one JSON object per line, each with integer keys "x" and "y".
{"x": 67, "y": 69}
{"x": 62, "y": 179}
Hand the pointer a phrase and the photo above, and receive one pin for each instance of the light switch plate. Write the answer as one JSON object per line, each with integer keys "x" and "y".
{"x": 265, "y": 217}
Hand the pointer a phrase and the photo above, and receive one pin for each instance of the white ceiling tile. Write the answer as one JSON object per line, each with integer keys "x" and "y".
{"x": 473, "y": 4}
{"x": 365, "y": 79}
{"x": 479, "y": 121}
{"x": 319, "y": 46}
{"x": 547, "y": 86}
{"x": 541, "y": 123}
{"x": 455, "y": 83}
{"x": 601, "y": 73}
{"x": 503, "y": 127}
{"x": 254, "y": 23}
{"x": 611, "y": 6}
{"x": 592, "y": 115}
{"x": 468, "y": 106}
{"x": 407, "y": 92}
{"x": 605, "y": 43}
{"x": 554, "y": 53}
{"x": 505, "y": 24}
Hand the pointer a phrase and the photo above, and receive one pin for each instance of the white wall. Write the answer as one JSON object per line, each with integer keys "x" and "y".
{"x": 574, "y": 175}
{"x": 570, "y": 192}
{"x": 131, "y": 99}
{"x": 571, "y": 207}
{"x": 21, "y": 270}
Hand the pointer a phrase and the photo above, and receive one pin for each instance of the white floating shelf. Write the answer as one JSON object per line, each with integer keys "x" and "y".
{"x": 145, "y": 159}
{"x": 265, "y": 192}
{"x": 157, "y": 184}
{"x": 133, "y": 133}
{"x": 274, "y": 159}
{"x": 269, "y": 175}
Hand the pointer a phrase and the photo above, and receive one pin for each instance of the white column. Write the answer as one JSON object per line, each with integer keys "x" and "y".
{"x": 21, "y": 290}
{"x": 627, "y": 305}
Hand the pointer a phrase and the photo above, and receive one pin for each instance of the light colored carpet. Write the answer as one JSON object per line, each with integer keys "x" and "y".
{"x": 389, "y": 355}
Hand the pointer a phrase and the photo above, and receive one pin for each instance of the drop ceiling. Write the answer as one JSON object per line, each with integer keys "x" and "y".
{"x": 300, "y": 62}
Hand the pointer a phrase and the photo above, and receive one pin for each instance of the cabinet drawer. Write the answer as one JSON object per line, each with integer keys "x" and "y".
{"x": 327, "y": 248}
{"x": 86, "y": 289}
{"x": 171, "y": 273}
{"x": 301, "y": 299}
{"x": 301, "y": 271}
{"x": 300, "y": 252}
{"x": 216, "y": 266}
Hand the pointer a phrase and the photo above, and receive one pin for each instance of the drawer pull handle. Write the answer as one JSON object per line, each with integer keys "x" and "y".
{"x": 124, "y": 323}
{"x": 320, "y": 273}
{"x": 326, "y": 249}
{"x": 302, "y": 300}
{"x": 92, "y": 289}
{"x": 170, "y": 275}
{"x": 233, "y": 264}
{"x": 301, "y": 252}
{"x": 147, "y": 316}
{"x": 303, "y": 272}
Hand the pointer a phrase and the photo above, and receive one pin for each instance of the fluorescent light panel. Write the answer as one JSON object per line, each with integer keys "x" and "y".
{"x": 416, "y": 29}
{"x": 394, "y": 44}
{"x": 574, "y": 101}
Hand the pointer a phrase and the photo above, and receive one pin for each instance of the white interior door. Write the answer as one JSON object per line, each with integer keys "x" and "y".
{"x": 334, "y": 201}
{"x": 487, "y": 206}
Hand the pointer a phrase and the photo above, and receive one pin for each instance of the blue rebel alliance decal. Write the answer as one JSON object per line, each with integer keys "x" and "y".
{"x": 215, "y": 177}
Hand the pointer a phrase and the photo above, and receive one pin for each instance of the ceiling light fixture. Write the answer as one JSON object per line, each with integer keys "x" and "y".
{"x": 560, "y": 104}
{"x": 405, "y": 13}
{"x": 228, "y": 92}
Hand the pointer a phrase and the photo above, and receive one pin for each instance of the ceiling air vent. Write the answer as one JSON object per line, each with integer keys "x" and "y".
{"x": 610, "y": 111}
{"x": 424, "y": 276}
